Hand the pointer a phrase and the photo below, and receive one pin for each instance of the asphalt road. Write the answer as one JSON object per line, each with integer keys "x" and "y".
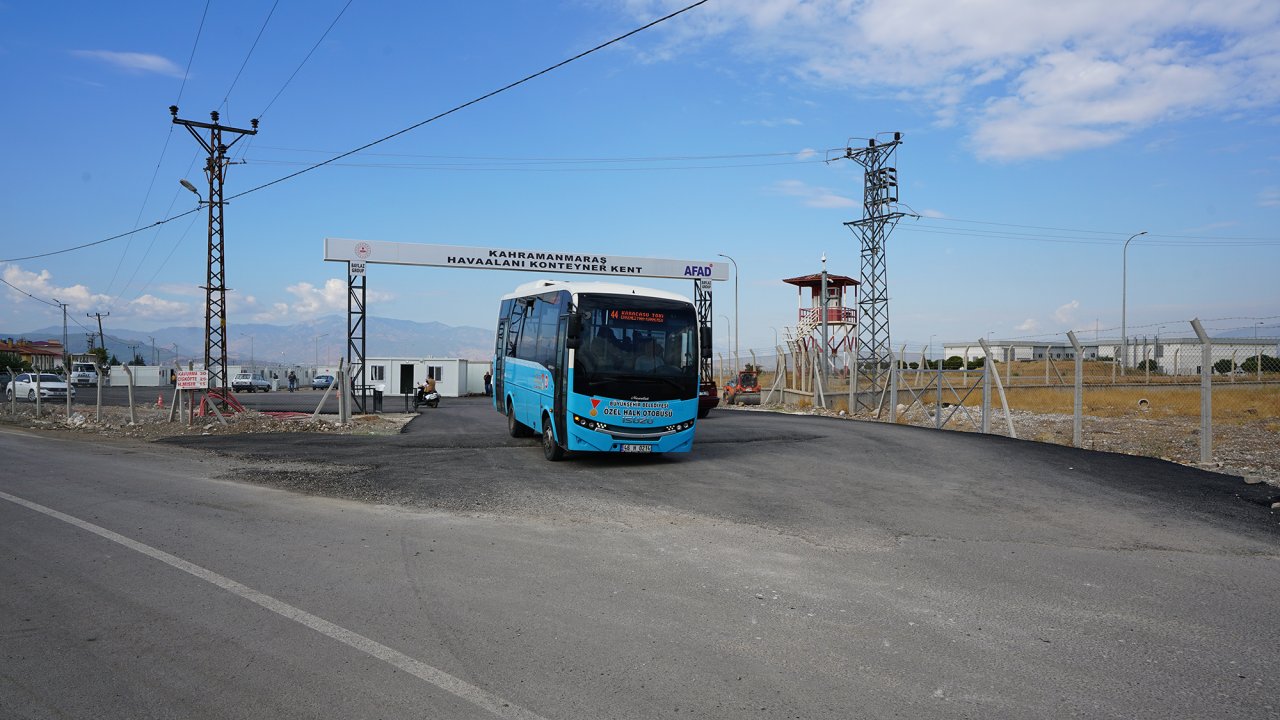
{"x": 789, "y": 567}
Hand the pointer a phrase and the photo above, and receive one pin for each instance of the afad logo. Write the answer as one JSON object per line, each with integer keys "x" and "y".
{"x": 697, "y": 271}
{"x": 595, "y": 403}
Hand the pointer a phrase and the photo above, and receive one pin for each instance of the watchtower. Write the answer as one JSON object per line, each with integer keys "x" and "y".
{"x": 841, "y": 303}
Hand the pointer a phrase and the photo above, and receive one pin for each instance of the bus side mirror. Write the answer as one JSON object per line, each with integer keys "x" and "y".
{"x": 573, "y": 332}
{"x": 704, "y": 342}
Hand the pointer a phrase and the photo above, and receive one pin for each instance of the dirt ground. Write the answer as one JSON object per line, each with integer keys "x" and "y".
{"x": 1250, "y": 450}
{"x": 151, "y": 423}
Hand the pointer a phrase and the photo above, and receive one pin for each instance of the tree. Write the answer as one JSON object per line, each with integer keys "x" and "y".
{"x": 1269, "y": 364}
{"x": 977, "y": 362}
{"x": 13, "y": 360}
{"x": 1224, "y": 366}
{"x": 955, "y": 362}
{"x": 1150, "y": 364}
{"x": 137, "y": 360}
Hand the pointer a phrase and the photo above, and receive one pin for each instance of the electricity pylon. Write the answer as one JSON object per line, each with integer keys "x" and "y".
{"x": 215, "y": 301}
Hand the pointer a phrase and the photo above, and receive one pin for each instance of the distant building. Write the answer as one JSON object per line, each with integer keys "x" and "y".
{"x": 1173, "y": 355}
{"x": 43, "y": 355}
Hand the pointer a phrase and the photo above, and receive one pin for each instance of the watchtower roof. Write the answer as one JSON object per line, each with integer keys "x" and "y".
{"x": 815, "y": 281}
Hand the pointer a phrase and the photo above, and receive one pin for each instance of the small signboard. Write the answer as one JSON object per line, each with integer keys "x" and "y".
{"x": 357, "y": 268}
{"x": 193, "y": 379}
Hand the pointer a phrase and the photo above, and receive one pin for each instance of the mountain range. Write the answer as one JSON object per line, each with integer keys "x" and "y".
{"x": 315, "y": 342}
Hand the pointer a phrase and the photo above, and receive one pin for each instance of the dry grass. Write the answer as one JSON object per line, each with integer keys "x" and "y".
{"x": 1230, "y": 404}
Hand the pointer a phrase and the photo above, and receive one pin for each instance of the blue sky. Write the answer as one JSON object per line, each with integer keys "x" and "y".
{"x": 1037, "y": 138}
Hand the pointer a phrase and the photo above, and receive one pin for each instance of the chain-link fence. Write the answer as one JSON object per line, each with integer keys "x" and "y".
{"x": 1184, "y": 397}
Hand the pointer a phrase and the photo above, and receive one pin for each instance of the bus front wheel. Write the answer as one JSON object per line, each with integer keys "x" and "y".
{"x": 550, "y": 449}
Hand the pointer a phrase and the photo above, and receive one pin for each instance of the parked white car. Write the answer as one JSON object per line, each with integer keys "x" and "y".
{"x": 247, "y": 382}
{"x": 52, "y": 387}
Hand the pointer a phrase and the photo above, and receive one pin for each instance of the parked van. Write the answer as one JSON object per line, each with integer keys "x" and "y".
{"x": 83, "y": 374}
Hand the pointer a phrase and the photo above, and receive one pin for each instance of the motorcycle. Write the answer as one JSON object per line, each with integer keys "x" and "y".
{"x": 431, "y": 399}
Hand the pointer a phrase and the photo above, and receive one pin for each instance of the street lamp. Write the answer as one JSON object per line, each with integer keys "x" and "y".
{"x": 736, "y": 338}
{"x": 186, "y": 184}
{"x": 251, "y": 361}
{"x": 1124, "y": 291}
{"x": 318, "y": 350}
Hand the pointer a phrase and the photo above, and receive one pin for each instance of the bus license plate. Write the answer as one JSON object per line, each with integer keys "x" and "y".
{"x": 637, "y": 448}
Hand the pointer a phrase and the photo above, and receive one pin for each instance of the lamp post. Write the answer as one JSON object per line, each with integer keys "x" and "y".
{"x": 736, "y": 339}
{"x": 728, "y": 332}
{"x": 1124, "y": 292}
{"x": 251, "y": 361}
{"x": 317, "y": 367}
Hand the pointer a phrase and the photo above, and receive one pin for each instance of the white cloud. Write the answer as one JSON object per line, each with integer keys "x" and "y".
{"x": 311, "y": 302}
{"x": 773, "y": 123}
{"x": 1028, "y": 325}
{"x": 79, "y": 299}
{"x": 818, "y": 197}
{"x": 1030, "y": 79}
{"x": 1065, "y": 314}
{"x": 1269, "y": 197}
{"x": 133, "y": 62}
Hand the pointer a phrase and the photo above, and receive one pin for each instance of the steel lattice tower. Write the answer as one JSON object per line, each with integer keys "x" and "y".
{"x": 215, "y": 287}
{"x": 879, "y": 215}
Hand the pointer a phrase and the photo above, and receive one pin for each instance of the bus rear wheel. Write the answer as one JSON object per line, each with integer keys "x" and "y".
{"x": 515, "y": 428}
{"x": 550, "y": 449}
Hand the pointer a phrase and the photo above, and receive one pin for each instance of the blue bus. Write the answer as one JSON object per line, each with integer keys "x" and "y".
{"x": 598, "y": 367}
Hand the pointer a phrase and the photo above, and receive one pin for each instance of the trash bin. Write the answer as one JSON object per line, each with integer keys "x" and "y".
{"x": 377, "y": 399}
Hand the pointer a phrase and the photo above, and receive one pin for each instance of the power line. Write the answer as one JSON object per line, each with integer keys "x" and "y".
{"x": 469, "y": 103}
{"x": 366, "y": 146}
{"x": 104, "y": 240}
{"x": 499, "y": 168}
{"x": 253, "y": 47}
{"x": 24, "y": 292}
{"x": 562, "y": 160}
{"x": 304, "y": 60}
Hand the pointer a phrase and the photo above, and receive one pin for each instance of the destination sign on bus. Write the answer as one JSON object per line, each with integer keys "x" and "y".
{"x": 638, "y": 316}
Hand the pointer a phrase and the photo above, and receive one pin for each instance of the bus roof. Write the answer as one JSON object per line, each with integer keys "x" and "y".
{"x": 538, "y": 287}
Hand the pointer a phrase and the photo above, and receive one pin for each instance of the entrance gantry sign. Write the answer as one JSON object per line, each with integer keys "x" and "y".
{"x": 360, "y": 253}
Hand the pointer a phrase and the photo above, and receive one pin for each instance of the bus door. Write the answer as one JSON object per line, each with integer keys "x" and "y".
{"x": 499, "y": 362}
{"x": 560, "y": 381}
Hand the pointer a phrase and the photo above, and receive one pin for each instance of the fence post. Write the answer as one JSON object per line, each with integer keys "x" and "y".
{"x": 133, "y": 415}
{"x": 1004, "y": 401}
{"x": 937, "y": 409}
{"x": 894, "y": 372}
{"x": 986, "y": 395}
{"x": 98, "y": 371}
{"x": 1206, "y": 392}
{"x": 1076, "y": 420}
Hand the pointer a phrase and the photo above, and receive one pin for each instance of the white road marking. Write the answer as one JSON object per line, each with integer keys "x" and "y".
{"x": 417, "y": 668}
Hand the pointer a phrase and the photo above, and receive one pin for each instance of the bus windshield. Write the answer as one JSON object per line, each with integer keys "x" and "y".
{"x": 640, "y": 348}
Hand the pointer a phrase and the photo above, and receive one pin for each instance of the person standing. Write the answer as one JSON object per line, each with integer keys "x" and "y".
{"x": 293, "y": 381}
{"x": 488, "y": 383}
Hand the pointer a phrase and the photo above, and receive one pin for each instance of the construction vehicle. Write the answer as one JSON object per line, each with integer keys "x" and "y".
{"x": 743, "y": 389}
